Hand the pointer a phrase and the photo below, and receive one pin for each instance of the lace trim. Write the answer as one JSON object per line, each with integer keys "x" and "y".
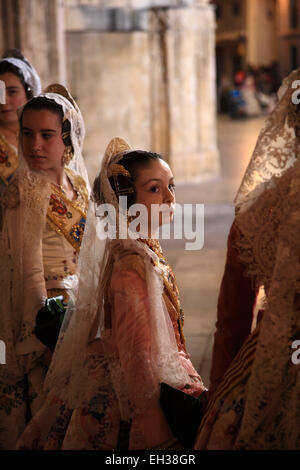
{"x": 259, "y": 228}
{"x": 8, "y": 160}
{"x": 276, "y": 149}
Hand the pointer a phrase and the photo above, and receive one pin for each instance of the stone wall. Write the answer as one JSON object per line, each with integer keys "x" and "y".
{"x": 141, "y": 69}
{"x": 112, "y": 89}
{"x": 193, "y": 152}
{"x": 150, "y": 79}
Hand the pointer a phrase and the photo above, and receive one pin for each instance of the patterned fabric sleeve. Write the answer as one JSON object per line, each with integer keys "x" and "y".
{"x": 234, "y": 316}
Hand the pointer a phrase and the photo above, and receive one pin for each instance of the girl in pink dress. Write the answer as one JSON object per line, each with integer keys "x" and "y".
{"x": 124, "y": 334}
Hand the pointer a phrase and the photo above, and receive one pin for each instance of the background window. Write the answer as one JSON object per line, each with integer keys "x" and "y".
{"x": 294, "y": 57}
{"x": 293, "y": 14}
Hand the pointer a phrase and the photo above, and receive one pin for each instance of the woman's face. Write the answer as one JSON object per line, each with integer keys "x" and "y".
{"x": 15, "y": 97}
{"x": 42, "y": 141}
{"x": 155, "y": 186}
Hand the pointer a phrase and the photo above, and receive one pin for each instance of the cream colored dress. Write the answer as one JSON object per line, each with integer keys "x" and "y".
{"x": 40, "y": 260}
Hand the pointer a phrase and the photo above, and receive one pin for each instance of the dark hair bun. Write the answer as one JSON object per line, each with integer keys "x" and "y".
{"x": 15, "y": 53}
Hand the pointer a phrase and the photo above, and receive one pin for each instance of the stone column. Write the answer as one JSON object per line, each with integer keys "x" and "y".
{"x": 192, "y": 105}
{"x": 147, "y": 73}
{"x": 160, "y": 115}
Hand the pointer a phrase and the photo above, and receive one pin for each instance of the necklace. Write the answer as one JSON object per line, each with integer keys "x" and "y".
{"x": 62, "y": 189}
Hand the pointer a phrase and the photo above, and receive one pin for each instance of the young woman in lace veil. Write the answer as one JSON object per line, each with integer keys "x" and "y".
{"x": 44, "y": 212}
{"x": 124, "y": 334}
{"x": 22, "y": 83}
{"x": 255, "y": 383}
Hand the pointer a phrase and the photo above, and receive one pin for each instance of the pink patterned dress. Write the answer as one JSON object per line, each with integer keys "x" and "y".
{"x": 99, "y": 424}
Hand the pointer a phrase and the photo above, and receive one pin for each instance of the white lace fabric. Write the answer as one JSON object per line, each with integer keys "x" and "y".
{"x": 276, "y": 149}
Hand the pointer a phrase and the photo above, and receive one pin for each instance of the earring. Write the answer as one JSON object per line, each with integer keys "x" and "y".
{"x": 67, "y": 155}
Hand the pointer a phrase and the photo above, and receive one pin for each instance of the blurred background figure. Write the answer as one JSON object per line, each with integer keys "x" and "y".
{"x": 259, "y": 38}
{"x": 224, "y": 86}
{"x": 249, "y": 92}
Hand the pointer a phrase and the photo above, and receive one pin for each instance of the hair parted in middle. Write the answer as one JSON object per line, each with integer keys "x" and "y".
{"x": 40, "y": 103}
